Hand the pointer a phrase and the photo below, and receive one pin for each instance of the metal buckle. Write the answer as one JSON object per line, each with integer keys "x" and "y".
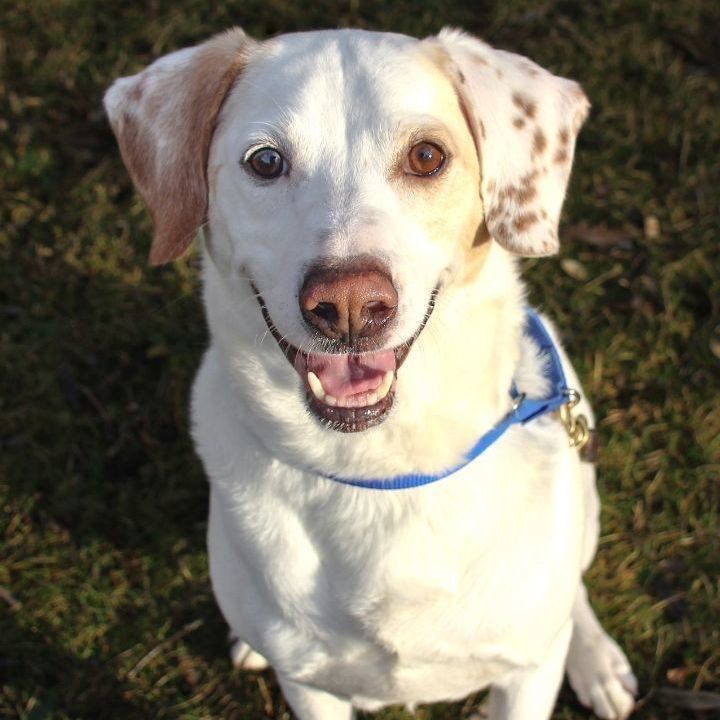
{"x": 518, "y": 401}
{"x": 576, "y": 426}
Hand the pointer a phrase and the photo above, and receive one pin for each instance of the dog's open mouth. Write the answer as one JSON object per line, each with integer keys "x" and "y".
{"x": 347, "y": 391}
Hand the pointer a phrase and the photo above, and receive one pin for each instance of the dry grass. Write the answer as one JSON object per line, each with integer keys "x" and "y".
{"x": 108, "y": 612}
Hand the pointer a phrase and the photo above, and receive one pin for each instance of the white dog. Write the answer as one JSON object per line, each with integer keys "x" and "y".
{"x": 382, "y": 529}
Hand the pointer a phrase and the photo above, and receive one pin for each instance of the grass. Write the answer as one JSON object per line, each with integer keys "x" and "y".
{"x": 107, "y": 611}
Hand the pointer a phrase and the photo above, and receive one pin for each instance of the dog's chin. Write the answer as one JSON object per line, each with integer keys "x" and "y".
{"x": 346, "y": 390}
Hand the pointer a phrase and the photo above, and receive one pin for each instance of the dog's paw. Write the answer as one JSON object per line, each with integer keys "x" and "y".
{"x": 602, "y": 678}
{"x": 245, "y": 658}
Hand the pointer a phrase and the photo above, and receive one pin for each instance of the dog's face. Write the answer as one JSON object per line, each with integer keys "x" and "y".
{"x": 350, "y": 181}
{"x": 333, "y": 181}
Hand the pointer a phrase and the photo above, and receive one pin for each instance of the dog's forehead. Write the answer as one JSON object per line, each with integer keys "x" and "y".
{"x": 341, "y": 80}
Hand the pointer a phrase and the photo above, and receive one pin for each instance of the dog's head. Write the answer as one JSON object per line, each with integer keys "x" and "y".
{"x": 347, "y": 182}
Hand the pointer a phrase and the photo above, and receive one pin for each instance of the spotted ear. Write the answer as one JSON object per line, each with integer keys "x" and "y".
{"x": 525, "y": 121}
{"x": 164, "y": 118}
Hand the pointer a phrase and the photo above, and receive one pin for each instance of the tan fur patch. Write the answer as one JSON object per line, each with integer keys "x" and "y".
{"x": 182, "y": 112}
{"x": 481, "y": 236}
{"x": 133, "y": 149}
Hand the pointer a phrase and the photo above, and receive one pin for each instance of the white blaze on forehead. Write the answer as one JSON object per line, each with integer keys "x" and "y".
{"x": 336, "y": 96}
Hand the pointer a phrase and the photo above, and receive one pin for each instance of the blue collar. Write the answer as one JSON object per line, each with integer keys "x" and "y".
{"x": 524, "y": 410}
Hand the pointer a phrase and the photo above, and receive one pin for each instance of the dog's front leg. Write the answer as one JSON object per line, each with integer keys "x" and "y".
{"x": 311, "y": 704}
{"x": 529, "y": 694}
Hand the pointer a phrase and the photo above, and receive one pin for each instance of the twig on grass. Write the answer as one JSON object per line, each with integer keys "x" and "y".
{"x": 9, "y": 598}
{"x": 181, "y": 633}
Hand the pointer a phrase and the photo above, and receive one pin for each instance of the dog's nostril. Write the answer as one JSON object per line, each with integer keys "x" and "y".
{"x": 378, "y": 311}
{"x": 326, "y": 311}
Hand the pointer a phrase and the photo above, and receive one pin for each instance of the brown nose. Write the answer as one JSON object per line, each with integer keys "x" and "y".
{"x": 350, "y": 302}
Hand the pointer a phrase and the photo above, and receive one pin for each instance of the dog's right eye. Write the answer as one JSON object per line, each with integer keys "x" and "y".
{"x": 267, "y": 163}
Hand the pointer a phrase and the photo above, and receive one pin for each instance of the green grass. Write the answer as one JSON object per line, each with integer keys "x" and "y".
{"x": 106, "y": 611}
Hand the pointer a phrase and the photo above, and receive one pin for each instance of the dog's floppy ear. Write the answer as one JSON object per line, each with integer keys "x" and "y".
{"x": 525, "y": 121}
{"x": 164, "y": 118}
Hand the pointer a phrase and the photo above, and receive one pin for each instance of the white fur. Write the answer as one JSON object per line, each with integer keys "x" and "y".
{"x": 361, "y": 598}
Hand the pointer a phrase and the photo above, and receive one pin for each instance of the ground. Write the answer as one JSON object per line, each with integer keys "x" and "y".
{"x": 106, "y": 611}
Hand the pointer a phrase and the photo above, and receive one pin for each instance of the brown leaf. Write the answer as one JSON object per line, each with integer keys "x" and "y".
{"x": 600, "y": 236}
{"x": 676, "y": 676}
{"x": 575, "y": 269}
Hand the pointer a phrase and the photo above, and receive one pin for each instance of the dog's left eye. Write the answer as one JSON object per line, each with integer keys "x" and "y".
{"x": 425, "y": 158}
{"x": 267, "y": 163}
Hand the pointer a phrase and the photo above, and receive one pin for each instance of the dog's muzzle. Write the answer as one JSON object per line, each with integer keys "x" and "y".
{"x": 351, "y": 386}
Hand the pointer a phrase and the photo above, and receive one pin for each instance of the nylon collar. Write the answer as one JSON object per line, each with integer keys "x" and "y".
{"x": 524, "y": 410}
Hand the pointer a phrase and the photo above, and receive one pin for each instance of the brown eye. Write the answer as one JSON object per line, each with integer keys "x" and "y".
{"x": 267, "y": 163}
{"x": 425, "y": 159}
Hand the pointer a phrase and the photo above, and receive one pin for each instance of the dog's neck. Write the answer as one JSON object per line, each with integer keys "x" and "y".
{"x": 451, "y": 391}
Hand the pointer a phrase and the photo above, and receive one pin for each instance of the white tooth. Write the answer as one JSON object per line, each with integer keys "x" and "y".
{"x": 371, "y": 398}
{"x": 316, "y": 386}
{"x": 385, "y": 385}
{"x": 330, "y": 400}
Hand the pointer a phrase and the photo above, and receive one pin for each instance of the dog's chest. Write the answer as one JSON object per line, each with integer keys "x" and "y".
{"x": 426, "y": 598}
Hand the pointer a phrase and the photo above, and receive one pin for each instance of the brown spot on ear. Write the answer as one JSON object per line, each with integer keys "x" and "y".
{"x": 524, "y": 103}
{"x": 528, "y": 68}
{"x": 522, "y": 193}
{"x": 564, "y": 136}
{"x": 543, "y": 214}
{"x": 526, "y": 194}
{"x": 518, "y": 122}
{"x": 505, "y": 193}
{"x": 137, "y": 92}
{"x": 561, "y": 157}
{"x": 539, "y": 142}
{"x": 522, "y": 222}
{"x": 502, "y": 233}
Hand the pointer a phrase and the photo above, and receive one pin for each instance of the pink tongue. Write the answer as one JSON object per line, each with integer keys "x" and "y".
{"x": 345, "y": 375}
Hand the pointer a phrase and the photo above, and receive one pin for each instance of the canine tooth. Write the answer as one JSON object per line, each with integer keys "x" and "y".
{"x": 316, "y": 386}
{"x": 330, "y": 400}
{"x": 385, "y": 385}
{"x": 371, "y": 398}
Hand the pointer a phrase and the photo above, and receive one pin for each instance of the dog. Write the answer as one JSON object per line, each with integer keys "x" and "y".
{"x": 361, "y": 200}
